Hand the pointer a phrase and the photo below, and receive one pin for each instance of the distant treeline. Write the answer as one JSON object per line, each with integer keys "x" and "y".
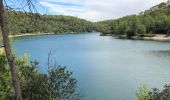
{"x": 153, "y": 21}
{"x": 24, "y": 22}
{"x": 156, "y": 20}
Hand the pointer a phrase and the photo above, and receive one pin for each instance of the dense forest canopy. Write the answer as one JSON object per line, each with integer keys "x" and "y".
{"x": 156, "y": 20}
{"x": 24, "y": 22}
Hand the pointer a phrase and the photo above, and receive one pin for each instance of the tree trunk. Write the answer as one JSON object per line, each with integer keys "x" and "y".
{"x": 8, "y": 51}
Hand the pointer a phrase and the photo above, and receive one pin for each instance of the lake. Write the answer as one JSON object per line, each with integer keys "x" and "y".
{"x": 106, "y": 68}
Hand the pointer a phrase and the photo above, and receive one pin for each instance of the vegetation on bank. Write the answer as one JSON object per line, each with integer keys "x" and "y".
{"x": 25, "y": 22}
{"x": 58, "y": 83}
{"x": 154, "y": 94}
{"x": 156, "y": 20}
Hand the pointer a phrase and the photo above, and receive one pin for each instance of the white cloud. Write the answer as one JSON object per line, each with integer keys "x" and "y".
{"x": 62, "y": 9}
{"x": 96, "y": 10}
{"x": 64, "y": 1}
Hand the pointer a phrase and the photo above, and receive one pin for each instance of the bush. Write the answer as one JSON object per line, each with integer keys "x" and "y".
{"x": 142, "y": 93}
{"x": 154, "y": 94}
{"x": 141, "y": 29}
{"x": 130, "y": 34}
{"x": 58, "y": 83}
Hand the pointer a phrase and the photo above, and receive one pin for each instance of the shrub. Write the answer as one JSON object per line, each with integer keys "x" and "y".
{"x": 154, "y": 94}
{"x": 58, "y": 83}
{"x": 142, "y": 93}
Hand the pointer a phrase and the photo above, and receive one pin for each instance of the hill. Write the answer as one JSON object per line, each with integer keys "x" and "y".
{"x": 156, "y": 20}
{"x": 24, "y": 22}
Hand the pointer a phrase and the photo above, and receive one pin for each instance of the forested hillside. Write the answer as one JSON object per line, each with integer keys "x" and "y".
{"x": 156, "y": 20}
{"x": 20, "y": 23}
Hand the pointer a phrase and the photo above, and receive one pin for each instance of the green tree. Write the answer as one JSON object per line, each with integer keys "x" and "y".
{"x": 141, "y": 29}
{"x": 155, "y": 20}
{"x": 60, "y": 85}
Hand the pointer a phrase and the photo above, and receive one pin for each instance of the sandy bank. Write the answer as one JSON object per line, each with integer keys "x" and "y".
{"x": 156, "y": 37}
{"x": 29, "y": 34}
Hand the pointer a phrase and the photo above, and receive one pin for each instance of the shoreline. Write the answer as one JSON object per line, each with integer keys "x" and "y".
{"x": 29, "y": 34}
{"x": 38, "y": 34}
{"x": 22, "y": 35}
{"x": 155, "y": 37}
{"x": 158, "y": 37}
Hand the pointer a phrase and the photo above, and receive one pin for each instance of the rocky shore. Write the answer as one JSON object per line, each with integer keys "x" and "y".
{"x": 158, "y": 37}
{"x": 155, "y": 37}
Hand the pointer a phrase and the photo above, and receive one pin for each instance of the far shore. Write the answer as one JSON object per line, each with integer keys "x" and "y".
{"x": 36, "y": 34}
{"x": 155, "y": 37}
{"x": 29, "y": 34}
{"x": 22, "y": 35}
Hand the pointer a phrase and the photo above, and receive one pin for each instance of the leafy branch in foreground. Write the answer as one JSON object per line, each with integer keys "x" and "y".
{"x": 154, "y": 94}
{"x": 60, "y": 85}
{"x": 8, "y": 49}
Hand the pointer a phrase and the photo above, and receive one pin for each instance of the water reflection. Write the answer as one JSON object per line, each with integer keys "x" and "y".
{"x": 160, "y": 53}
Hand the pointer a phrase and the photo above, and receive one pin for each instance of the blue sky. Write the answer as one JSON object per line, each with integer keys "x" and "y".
{"x": 93, "y": 10}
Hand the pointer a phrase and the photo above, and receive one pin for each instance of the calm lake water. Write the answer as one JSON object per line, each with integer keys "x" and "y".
{"x": 106, "y": 68}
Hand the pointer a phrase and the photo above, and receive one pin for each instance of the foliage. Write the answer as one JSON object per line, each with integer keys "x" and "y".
{"x": 154, "y": 94}
{"x": 62, "y": 85}
{"x": 155, "y": 20}
{"x": 142, "y": 93}
{"x": 5, "y": 80}
{"x": 59, "y": 85}
{"x": 24, "y": 22}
